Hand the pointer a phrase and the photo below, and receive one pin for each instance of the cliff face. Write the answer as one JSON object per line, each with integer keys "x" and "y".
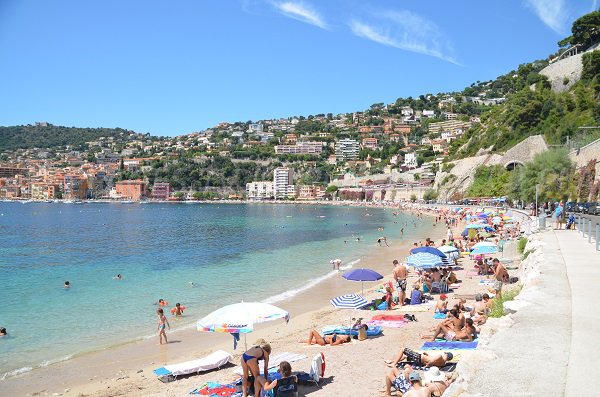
{"x": 564, "y": 73}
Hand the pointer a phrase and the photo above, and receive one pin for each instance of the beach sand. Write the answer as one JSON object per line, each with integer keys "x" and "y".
{"x": 356, "y": 368}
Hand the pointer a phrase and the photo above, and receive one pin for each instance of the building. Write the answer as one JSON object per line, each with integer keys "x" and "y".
{"x": 410, "y": 160}
{"x": 370, "y": 143}
{"x": 300, "y": 148}
{"x": 347, "y": 149}
{"x": 259, "y": 190}
{"x": 282, "y": 179}
{"x": 44, "y": 191}
{"x": 311, "y": 192}
{"x": 451, "y": 125}
{"x": 75, "y": 187}
{"x": 7, "y": 171}
{"x": 255, "y": 128}
{"x": 161, "y": 191}
{"x": 439, "y": 145}
{"x": 131, "y": 189}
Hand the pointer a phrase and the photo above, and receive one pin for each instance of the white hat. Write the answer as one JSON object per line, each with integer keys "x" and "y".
{"x": 434, "y": 374}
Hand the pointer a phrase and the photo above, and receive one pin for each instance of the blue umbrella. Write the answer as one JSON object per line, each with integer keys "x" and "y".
{"x": 474, "y": 226}
{"x": 424, "y": 260}
{"x": 484, "y": 250}
{"x": 362, "y": 275}
{"x": 429, "y": 250}
{"x": 349, "y": 301}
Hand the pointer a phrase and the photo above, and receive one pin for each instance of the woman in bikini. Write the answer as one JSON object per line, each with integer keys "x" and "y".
{"x": 333, "y": 340}
{"x": 250, "y": 364}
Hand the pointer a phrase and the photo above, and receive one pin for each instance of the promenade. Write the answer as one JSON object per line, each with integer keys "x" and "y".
{"x": 546, "y": 347}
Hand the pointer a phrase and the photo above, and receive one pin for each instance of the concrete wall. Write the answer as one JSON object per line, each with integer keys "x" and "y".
{"x": 587, "y": 153}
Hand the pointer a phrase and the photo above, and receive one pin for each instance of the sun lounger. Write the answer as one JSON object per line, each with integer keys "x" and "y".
{"x": 445, "y": 345}
{"x": 212, "y": 361}
{"x": 275, "y": 360}
{"x": 341, "y": 330}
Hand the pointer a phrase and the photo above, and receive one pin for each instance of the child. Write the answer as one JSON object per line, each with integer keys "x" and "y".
{"x": 441, "y": 306}
{"x": 286, "y": 386}
{"x": 178, "y": 310}
{"x": 162, "y": 323}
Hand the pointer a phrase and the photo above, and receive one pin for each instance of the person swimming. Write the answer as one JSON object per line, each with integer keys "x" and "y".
{"x": 118, "y": 277}
{"x": 3, "y": 332}
{"x": 67, "y": 285}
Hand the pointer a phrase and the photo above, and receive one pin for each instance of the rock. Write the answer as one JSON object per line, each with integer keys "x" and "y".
{"x": 67, "y": 390}
{"x": 140, "y": 371}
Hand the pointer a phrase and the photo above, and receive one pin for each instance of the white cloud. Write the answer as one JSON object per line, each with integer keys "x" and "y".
{"x": 301, "y": 12}
{"x": 407, "y": 31}
{"x": 551, "y": 12}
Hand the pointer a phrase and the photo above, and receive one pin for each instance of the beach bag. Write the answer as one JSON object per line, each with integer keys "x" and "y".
{"x": 362, "y": 333}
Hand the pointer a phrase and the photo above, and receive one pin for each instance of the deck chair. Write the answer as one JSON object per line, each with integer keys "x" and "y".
{"x": 441, "y": 286}
{"x": 317, "y": 370}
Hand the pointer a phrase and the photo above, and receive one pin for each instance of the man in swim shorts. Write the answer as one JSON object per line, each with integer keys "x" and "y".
{"x": 425, "y": 359}
{"x": 400, "y": 273}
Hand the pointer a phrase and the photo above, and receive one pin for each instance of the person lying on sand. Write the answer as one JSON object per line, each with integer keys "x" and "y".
{"x": 405, "y": 382}
{"x": 425, "y": 359}
{"x": 448, "y": 332}
{"x": 333, "y": 340}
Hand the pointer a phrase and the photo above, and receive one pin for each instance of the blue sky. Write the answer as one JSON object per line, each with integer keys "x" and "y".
{"x": 173, "y": 67}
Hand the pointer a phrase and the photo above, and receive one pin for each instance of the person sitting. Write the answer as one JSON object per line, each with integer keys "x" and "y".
{"x": 479, "y": 311}
{"x": 416, "y": 296}
{"x": 446, "y": 330}
{"x": 435, "y": 381}
{"x": 425, "y": 359}
{"x": 333, "y": 340}
{"x": 441, "y": 306}
{"x": 287, "y": 386}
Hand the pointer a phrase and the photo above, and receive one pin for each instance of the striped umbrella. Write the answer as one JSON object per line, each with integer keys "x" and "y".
{"x": 423, "y": 260}
{"x": 349, "y": 301}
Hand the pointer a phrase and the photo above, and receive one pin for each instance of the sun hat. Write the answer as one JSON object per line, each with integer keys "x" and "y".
{"x": 414, "y": 375}
{"x": 443, "y": 296}
{"x": 434, "y": 374}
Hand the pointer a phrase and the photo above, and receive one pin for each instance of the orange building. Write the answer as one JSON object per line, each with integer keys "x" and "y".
{"x": 131, "y": 190}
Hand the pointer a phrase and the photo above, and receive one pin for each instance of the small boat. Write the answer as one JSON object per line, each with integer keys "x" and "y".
{"x": 127, "y": 202}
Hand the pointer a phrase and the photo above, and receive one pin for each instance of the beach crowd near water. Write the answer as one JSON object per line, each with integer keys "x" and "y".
{"x": 423, "y": 317}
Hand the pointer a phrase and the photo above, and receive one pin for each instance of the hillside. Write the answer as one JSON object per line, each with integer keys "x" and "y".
{"x": 52, "y": 136}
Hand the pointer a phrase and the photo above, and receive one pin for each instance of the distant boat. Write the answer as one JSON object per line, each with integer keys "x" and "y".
{"x": 127, "y": 202}
{"x": 77, "y": 202}
{"x": 68, "y": 201}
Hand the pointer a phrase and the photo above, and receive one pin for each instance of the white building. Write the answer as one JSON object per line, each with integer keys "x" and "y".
{"x": 262, "y": 190}
{"x": 309, "y": 147}
{"x": 255, "y": 127}
{"x": 347, "y": 149}
{"x": 410, "y": 160}
{"x": 282, "y": 180}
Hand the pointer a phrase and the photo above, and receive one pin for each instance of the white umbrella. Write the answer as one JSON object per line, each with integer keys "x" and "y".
{"x": 240, "y": 317}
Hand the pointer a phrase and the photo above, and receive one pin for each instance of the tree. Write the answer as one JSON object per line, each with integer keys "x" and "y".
{"x": 179, "y": 195}
{"x": 413, "y": 197}
{"x": 331, "y": 189}
{"x": 430, "y": 195}
{"x": 586, "y": 30}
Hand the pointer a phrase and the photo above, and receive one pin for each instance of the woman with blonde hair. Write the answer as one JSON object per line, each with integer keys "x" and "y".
{"x": 250, "y": 358}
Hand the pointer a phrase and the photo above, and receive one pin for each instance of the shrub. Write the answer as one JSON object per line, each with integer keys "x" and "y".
{"x": 521, "y": 243}
{"x": 498, "y": 304}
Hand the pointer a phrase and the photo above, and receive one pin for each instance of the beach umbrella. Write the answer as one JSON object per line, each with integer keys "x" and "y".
{"x": 240, "y": 317}
{"x": 349, "y": 301}
{"x": 496, "y": 220}
{"x": 484, "y": 248}
{"x": 424, "y": 260}
{"x": 362, "y": 275}
{"x": 481, "y": 216}
{"x": 429, "y": 250}
{"x": 474, "y": 226}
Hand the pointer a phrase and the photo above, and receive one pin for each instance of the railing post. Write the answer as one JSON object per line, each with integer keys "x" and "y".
{"x": 578, "y": 223}
{"x": 597, "y": 236}
{"x": 590, "y": 233}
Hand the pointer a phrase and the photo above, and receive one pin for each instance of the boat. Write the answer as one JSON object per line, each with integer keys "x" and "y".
{"x": 127, "y": 202}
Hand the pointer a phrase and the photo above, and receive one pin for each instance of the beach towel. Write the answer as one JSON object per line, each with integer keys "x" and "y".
{"x": 472, "y": 273}
{"x": 414, "y": 308}
{"x": 215, "y": 389}
{"x": 487, "y": 282}
{"x": 454, "y": 286}
{"x": 341, "y": 330}
{"x": 439, "y": 316}
{"x": 275, "y": 360}
{"x": 387, "y": 323}
{"x": 445, "y": 345}
{"x": 212, "y": 361}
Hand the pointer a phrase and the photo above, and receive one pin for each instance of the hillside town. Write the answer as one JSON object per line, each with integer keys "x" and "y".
{"x": 383, "y": 140}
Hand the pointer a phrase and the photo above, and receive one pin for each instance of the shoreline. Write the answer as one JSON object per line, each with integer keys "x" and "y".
{"x": 143, "y": 349}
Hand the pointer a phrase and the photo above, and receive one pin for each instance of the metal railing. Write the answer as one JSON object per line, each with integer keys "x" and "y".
{"x": 589, "y": 229}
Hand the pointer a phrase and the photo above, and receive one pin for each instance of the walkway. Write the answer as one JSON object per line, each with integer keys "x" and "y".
{"x": 583, "y": 270}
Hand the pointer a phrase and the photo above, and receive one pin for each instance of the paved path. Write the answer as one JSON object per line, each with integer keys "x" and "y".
{"x": 582, "y": 263}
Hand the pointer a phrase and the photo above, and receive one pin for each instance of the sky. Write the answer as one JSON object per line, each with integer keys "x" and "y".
{"x": 175, "y": 67}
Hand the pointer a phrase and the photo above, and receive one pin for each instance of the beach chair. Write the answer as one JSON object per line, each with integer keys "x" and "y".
{"x": 169, "y": 373}
{"x": 317, "y": 370}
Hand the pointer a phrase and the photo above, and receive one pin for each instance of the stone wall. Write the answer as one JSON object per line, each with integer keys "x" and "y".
{"x": 589, "y": 152}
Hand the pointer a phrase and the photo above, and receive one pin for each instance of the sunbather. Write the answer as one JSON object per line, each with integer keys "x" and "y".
{"x": 287, "y": 386}
{"x": 333, "y": 340}
{"x": 425, "y": 359}
{"x": 250, "y": 364}
{"x": 399, "y": 379}
{"x": 435, "y": 381}
{"x": 449, "y": 333}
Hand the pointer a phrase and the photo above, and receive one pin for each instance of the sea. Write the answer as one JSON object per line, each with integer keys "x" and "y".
{"x": 203, "y": 256}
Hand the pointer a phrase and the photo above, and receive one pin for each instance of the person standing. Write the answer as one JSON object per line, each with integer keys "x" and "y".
{"x": 162, "y": 324}
{"x": 400, "y": 274}
{"x": 501, "y": 276}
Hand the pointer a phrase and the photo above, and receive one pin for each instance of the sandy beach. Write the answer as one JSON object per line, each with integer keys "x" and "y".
{"x": 357, "y": 368}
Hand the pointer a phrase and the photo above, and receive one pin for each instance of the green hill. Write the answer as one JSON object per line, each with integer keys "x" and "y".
{"x": 52, "y": 136}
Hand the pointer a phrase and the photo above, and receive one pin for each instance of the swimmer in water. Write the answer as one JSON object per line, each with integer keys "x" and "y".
{"x": 118, "y": 277}
{"x": 67, "y": 285}
{"x": 191, "y": 284}
{"x": 3, "y": 332}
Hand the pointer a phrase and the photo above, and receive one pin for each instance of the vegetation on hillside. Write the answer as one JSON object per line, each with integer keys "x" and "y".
{"x": 54, "y": 136}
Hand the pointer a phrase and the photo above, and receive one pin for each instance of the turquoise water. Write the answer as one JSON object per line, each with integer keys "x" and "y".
{"x": 230, "y": 252}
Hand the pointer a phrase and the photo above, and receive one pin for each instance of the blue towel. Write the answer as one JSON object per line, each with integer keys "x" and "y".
{"x": 161, "y": 371}
{"x": 449, "y": 345}
{"x": 236, "y": 339}
{"x": 371, "y": 331}
{"x": 439, "y": 316}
